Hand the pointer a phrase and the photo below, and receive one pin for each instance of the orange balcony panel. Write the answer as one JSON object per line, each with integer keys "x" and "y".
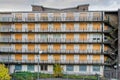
{"x": 83, "y": 47}
{"x": 70, "y": 26}
{"x": 70, "y": 47}
{"x": 44, "y": 57}
{"x": 31, "y": 36}
{"x": 31, "y": 47}
{"x": 18, "y": 26}
{"x": 31, "y": 26}
{"x": 70, "y": 57}
{"x": 43, "y": 47}
{"x": 18, "y": 47}
{"x": 57, "y": 57}
{"x": 83, "y": 57}
{"x": 18, "y": 56}
{"x": 105, "y": 27}
{"x": 56, "y": 46}
{"x": 69, "y": 36}
{"x": 83, "y": 37}
{"x": 57, "y": 26}
{"x": 44, "y": 26}
{"x": 105, "y": 48}
{"x": 18, "y": 36}
{"x": 83, "y": 26}
{"x": 96, "y": 26}
{"x": 96, "y": 47}
{"x": 31, "y": 57}
{"x": 96, "y": 57}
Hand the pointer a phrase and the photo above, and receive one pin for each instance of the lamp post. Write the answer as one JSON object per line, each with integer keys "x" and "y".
{"x": 40, "y": 52}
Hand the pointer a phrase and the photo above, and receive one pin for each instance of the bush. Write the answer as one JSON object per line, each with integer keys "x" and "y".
{"x": 33, "y": 76}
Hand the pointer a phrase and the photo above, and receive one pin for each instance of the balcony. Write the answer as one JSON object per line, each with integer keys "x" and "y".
{"x": 53, "y": 51}
{"x": 53, "y": 40}
{"x": 25, "y": 61}
{"x": 11, "y": 30}
{"x": 53, "y": 19}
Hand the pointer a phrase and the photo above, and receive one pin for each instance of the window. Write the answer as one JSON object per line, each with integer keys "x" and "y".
{"x": 96, "y": 68}
{"x": 57, "y": 36}
{"x": 30, "y": 67}
{"x": 44, "y": 36}
{"x": 44, "y": 67}
{"x": 69, "y": 68}
{"x": 18, "y": 67}
{"x": 82, "y": 68}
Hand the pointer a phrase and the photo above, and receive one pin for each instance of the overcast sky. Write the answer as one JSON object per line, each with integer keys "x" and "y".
{"x": 25, "y": 5}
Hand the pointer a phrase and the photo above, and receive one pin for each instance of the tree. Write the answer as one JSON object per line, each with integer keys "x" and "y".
{"x": 57, "y": 69}
{"x": 4, "y": 75}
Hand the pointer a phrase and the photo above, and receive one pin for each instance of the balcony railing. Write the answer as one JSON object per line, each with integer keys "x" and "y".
{"x": 48, "y": 19}
{"x": 52, "y": 40}
{"x": 52, "y": 61}
{"x": 53, "y": 51}
{"x": 52, "y": 30}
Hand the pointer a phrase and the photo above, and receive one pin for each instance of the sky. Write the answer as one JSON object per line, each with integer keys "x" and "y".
{"x": 25, "y": 5}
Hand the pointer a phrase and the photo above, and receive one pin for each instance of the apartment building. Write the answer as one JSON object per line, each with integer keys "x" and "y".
{"x": 81, "y": 41}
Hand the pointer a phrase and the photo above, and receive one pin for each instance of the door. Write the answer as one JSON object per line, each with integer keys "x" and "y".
{"x": 63, "y": 16}
{"x": 24, "y": 37}
{"x": 76, "y": 27}
{"x": 50, "y": 16}
{"x": 24, "y": 48}
{"x": 63, "y": 26}
{"x": 24, "y": 27}
{"x": 76, "y": 16}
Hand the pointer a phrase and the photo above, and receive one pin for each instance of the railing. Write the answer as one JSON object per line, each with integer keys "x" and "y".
{"x": 52, "y": 30}
{"x": 50, "y": 40}
{"x": 56, "y": 19}
{"x": 53, "y": 61}
{"x": 92, "y": 51}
